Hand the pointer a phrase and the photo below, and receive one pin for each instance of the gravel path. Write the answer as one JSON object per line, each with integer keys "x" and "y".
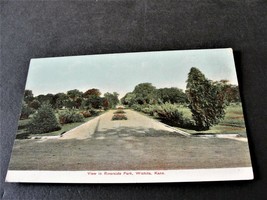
{"x": 103, "y": 126}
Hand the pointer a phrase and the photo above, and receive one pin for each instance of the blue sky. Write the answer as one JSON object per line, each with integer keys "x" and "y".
{"x": 122, "y": 72}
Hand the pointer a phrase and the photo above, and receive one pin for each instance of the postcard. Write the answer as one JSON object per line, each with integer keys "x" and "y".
{"x": 145, "y": 117}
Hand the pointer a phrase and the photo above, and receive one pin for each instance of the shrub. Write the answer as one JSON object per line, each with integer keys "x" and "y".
{"x": 26, "y": 111}
{"x": 93, "y": 111}
{"x": 70, "y": 116}
{"x": 137, "y": 107}
{"x": 119, "y": 117}
{"x": 170, "y": 114}
{"x": 119, "y": 112}
{"x": 150, "y": 109}
{"x": 44, "y": 121}
{"x": 86, "y": 114}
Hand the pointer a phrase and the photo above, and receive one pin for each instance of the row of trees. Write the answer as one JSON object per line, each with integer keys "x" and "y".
{"x": 72, "y": 99}
{"x": 206, "y": 99}
{"x": 77, "y": 106}
{"x": 146, "y": 93}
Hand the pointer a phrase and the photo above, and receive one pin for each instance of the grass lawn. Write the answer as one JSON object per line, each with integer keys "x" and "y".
{"x": 132, "y": 152}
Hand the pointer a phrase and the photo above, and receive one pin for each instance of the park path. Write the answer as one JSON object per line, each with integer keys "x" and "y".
{"x": 103, "y": 126}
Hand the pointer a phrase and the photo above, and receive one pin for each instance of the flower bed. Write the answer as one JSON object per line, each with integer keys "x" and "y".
{"x": 119, "y": 117}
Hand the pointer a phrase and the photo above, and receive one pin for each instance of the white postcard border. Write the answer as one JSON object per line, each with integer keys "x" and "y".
{"x": 133, "y": 176}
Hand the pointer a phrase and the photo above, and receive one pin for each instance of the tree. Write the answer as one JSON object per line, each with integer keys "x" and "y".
{"x": 59, "y": 100}
{"x": 75, "y": 98}
{"x": 92, "y": 99}
{"x": 206, "y": 98}
{"x": 145, "y": 93}
{"x": 231, "y": 92}
{"x": 172, "y": 95}
{"x": 113, "y": 99}
{"x": 93, "y": 102}
{"x": 92, "y": 92}
{"x": 74, "y": 94}
{"x": 45, "y": 99}
{"x": 26, "y": 111}
{"x": 129, "y": 99}
{"x": 105, "y": 104}
{"x": 35, "y": 104}
{"x": 44, "y": 121}
{"x": 28, "y": 96}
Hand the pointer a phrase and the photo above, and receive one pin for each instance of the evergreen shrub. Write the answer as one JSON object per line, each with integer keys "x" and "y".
{"x": 43, "y": 121}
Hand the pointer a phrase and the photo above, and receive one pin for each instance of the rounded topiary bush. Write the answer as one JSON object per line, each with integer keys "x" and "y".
{"x": 44, "y": 121}
{"x": 70, "y": 116}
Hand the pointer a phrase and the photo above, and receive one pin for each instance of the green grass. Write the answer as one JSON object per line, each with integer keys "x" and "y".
{"x": 234, "y": 116}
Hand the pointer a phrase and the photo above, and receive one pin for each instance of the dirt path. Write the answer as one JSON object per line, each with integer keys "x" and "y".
{"x": 103, "y": 126}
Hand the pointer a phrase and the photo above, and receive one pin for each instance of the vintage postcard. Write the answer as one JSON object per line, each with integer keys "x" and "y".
{"x": 163, "y": 116}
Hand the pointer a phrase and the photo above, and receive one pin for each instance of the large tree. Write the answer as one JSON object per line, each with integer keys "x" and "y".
{"x": 172, "y": 95}
{"x": 206, "y": 98}
{"x": 129, "y": 99}
{"x": 231, "y": 91}
{"x": 59, "y": 100}
{"x": 112, "y": 99}
{"x": 145, "y": 93}
{"x": 92, "y": 98}
{"x": 48, "y": 98}
{"x": 92, "y": 92}
{"x": 28, "y": 96}
{"x": 75, "y": 98}
{"x": 74, "y": 94}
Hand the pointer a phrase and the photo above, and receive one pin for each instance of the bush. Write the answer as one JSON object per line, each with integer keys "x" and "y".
{"x": 170, "y": 114}
{"x": 44, "y": 121}
{"x": 26, "y": 111}
{"x": 150, "y": 109}
{"x": 70, "y": 116}
{"x": 119, "y": 117}
{"x": 93, "y": 111}
{"x": 86, "y": 114}
{"x": 137, "y": 107}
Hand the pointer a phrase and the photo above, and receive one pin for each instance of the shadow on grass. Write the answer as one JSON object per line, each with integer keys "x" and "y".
{"x": 135, "y": 132}
{"x": 24, "y": 135}
{"x": 185, "y": 125}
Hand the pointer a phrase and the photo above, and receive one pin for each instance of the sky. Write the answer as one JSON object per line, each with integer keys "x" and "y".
{"x": 122, "y": 72}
